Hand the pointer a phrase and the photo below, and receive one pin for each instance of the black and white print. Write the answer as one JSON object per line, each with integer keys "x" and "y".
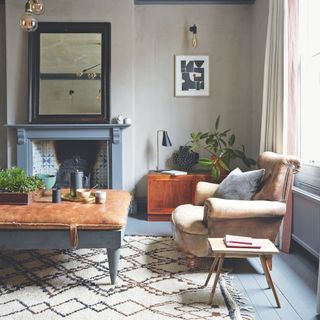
{"x": 191, "y": 75}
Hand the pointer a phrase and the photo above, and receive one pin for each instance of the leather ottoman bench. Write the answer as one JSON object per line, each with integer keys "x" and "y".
{"x": 65, "y": 225}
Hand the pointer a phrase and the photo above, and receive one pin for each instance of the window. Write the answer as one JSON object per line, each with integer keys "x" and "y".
{"x": 310, "y": 81}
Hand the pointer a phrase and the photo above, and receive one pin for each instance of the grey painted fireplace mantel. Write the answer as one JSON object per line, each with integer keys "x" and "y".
{"x": 26, "y": 133}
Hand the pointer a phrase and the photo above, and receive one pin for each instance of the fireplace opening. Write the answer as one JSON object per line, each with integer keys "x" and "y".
{"x": 61, "y": 157}
{"x": 76, "y": 155}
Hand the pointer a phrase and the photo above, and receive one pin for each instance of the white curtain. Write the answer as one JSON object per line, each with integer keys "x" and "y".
{"x": 272, "y": 122}
{"x": 274, "y": 100}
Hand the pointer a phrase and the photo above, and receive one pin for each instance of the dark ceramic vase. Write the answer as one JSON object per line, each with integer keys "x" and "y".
{"x": 185, "y": 158}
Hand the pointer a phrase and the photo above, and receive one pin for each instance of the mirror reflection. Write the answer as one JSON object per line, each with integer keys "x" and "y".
{"x": 70, "y": 73}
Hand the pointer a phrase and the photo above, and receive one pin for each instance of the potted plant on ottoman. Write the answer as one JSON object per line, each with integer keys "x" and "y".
{"x": 18, "y": 188}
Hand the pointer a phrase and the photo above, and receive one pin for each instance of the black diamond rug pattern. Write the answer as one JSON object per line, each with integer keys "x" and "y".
{"x": 153, "y": 283}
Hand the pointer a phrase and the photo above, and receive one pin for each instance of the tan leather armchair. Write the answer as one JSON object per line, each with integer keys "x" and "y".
{"x": 213, "y": 217}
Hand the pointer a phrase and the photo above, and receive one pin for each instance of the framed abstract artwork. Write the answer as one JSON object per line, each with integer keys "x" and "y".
{"x": 191, "y": 75}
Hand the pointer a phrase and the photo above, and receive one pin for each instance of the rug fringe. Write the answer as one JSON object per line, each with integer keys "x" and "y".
{"x": 236, "y": 300}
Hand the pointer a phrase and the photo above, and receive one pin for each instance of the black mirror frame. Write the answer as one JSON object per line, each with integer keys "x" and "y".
{"x": 104, "y": 28}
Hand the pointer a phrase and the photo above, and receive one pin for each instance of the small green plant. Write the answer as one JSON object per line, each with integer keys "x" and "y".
{"x": 220, "y": 146}
{"x": 16, "y": 180}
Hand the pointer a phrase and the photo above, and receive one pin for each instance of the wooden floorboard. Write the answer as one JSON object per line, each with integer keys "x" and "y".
{"x": 295, "y": 275}
{"x": 286, "y": 311}
{"x": 297, "y": 279}
{"x": 237, "y": 283}
{"x": 259, "y": 301}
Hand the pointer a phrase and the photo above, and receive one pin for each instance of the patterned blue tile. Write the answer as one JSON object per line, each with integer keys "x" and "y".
{"x": 45, "y": 161}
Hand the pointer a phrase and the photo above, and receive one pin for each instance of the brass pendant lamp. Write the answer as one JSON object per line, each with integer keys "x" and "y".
{"x": 28, "y": 22}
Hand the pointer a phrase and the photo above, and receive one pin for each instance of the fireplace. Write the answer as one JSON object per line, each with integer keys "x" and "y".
{"x": 57, "y": 149}
{"x": 61, "y": 157}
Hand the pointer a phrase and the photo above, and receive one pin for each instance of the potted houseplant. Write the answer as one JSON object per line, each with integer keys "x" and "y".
{"x": 16, "y": 187}
{"x": 220, "y": 146}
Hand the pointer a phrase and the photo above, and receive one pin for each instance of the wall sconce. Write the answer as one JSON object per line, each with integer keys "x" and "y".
{"x": 28, "y": 22}
{"x": 165, "y": 142}
{"x": 193, "y": 29}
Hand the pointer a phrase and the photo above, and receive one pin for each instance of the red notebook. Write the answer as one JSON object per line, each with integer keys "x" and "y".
{"x": 241, "y": 242}
{"x": 255, "y": 245}
{"x": 238, "y": 239}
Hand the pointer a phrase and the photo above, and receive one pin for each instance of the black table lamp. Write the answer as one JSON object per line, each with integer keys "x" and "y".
{"x": 165, "y": 142}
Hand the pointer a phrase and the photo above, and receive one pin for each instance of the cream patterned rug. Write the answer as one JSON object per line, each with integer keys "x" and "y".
{"x": 153, "y": 284}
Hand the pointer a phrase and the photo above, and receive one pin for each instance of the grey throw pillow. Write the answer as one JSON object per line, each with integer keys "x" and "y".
{"x": 240, "y": 185}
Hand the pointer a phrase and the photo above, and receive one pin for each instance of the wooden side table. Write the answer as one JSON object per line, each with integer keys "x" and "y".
{"x": 166, "y": 192}
{"x": 220, "y": 251}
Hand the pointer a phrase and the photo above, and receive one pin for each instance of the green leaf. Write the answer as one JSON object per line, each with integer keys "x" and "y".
{"x": 220, "y": 153}
{"x": 238, "y": 153}
{"x": 223, "y": 165}
{"x": 223, "y": 142}
{"x": 248, "y": 162}
{"x": 232, "y": 140}
{"x": 215, "y": 172}
{"x": 206, "y": 162}
{"x": 209, "y": 140}
{"x": 245, "y": 161}
{"x": 195, "y": 135}
{"x": 217, "y": 123}
{"x": 204, "y": 135}
{"x": 224, "y": 133}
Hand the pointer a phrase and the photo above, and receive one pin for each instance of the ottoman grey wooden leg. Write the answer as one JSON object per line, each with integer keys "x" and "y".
{"x": 113, "y": 258}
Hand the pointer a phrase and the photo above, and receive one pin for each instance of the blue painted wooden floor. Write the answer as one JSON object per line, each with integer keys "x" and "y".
{"x": 294, "y": 274}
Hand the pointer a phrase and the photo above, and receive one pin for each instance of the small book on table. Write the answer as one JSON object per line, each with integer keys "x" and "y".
{"x": 175, "y": 172}
{"x": 241, "y": 242}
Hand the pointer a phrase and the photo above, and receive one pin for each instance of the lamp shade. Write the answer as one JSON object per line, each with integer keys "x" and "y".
{"x": 166, "y": 140}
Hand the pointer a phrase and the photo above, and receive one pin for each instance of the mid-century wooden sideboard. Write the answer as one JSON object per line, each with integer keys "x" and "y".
{"x": 166, "y": 192}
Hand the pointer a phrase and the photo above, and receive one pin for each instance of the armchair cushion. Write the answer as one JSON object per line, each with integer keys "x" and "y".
{"x": 189, "y": 219}
{"x": 240, "y": 185}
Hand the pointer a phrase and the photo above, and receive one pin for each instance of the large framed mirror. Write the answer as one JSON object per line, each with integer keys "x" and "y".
{"x": 69, "y": 73}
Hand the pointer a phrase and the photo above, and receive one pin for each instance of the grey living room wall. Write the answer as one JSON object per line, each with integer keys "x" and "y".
{"x": 144, "y": 42}
{"x": 225, "y": 34}
{"x": 3, "y": 120}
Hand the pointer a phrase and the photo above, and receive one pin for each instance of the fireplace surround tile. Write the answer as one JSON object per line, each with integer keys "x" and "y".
{"x": 43, "y": 157}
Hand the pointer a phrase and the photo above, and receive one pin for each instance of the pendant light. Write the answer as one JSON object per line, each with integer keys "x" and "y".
{"x": 28, "y": 22}
{"x": 37, "y": 7}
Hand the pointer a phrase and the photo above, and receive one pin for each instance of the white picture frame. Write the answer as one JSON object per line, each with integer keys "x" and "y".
{"x": 191, "y": 75}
